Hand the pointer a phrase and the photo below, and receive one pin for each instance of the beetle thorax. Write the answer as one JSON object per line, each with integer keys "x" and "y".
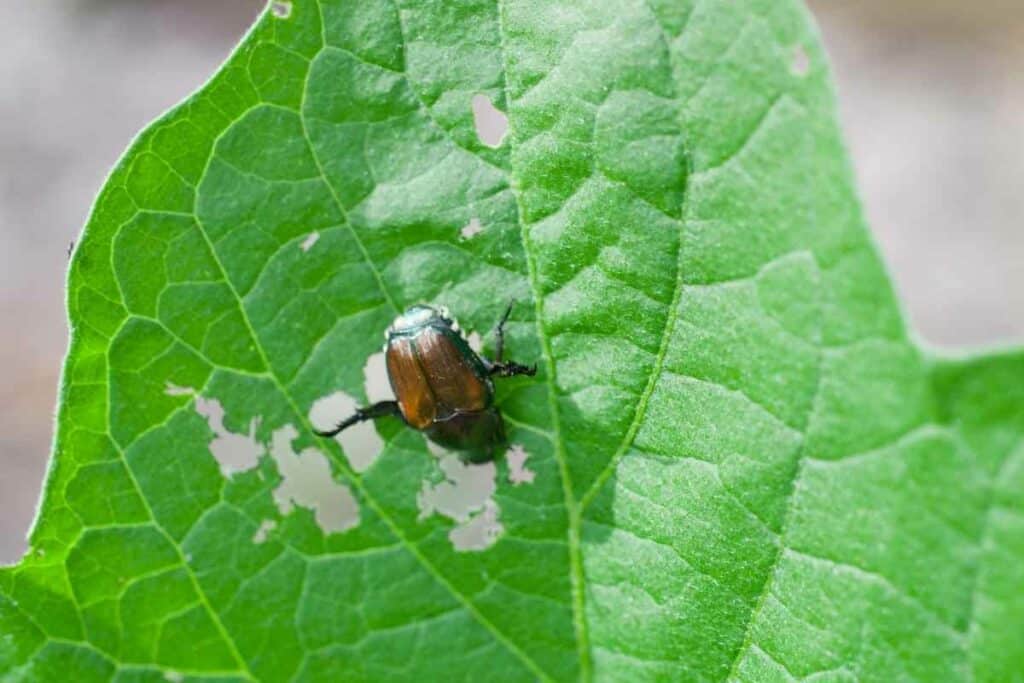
{"x": 419, "y": 316}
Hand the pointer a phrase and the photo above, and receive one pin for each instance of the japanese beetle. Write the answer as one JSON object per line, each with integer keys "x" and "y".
{"x": 442, "y": 387}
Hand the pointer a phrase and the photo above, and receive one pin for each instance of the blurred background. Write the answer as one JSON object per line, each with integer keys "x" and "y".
{"x": 931, "y": 97}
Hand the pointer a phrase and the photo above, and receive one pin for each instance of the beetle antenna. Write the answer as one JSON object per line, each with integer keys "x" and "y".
{"x": 499, "y": 333}
{"x": 508, "y": 311}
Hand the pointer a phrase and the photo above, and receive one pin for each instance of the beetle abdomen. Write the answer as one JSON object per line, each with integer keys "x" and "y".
{"x": 478, "y": 431}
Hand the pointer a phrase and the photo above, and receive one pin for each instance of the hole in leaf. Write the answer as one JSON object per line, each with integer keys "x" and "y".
{"x": 310, "y": 240}
{"x": 465, "y": 489}
{"x": 471, "y": 229}
{"x": 282, "y": 9}
{"x": 306, "y": 477}
{"x": 491, "y": 123}
{"x": 480, "y": 532}
{"x": 261, "y": 534}
{"x": 174, "y": 390}
{"x": 306, "y": 480}
{"x": 360, "y": 442}
{"x": 464, "y": 496}
{"x": 233, "y": 452}
{"x": 375, "y": 379}
{"x": 518, "y": 472}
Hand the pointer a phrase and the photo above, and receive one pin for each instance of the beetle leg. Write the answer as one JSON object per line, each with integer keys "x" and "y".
{"x": 511, "y": 369}
{"x": 499, "y": 334}
{"x": 380, "y": 409}
{"x": 498, "y": 367}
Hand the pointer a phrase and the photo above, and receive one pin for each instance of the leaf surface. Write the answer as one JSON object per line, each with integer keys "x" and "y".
{"x": 742, "y": 467}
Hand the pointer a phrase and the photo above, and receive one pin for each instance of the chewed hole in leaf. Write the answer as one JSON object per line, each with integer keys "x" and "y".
{"x": 306, "y": 480}
{"x": 306, "y": 477}
{"x": 310, "y": 240}
{"x": 481, "y": 532}
{"x": 375, "y": 378}
{"x": 360, "y": 442}
{"x": 491, "y": 123}
{"x": 465, "y": 497}
{"x": 233, "y": 452}
{"x": 471, "y": 229}
{"x": 266, "y": 526}
{"x": 465, "y": 489}
{"x": 282, "y": 9}
{"x": 518, "y": 472}
{"x": 174, "y": 390}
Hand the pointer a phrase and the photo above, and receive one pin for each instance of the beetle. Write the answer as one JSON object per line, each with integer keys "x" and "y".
{"x": 442, "y": 387}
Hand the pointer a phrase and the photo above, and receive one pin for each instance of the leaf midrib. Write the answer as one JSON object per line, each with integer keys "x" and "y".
{"x": 571, "y": 508}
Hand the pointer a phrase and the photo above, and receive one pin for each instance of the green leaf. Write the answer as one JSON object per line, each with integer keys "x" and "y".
{"x": 742, "y": 465}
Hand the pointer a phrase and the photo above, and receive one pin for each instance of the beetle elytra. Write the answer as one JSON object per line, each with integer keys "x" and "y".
{"x": 442, "y": 387}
